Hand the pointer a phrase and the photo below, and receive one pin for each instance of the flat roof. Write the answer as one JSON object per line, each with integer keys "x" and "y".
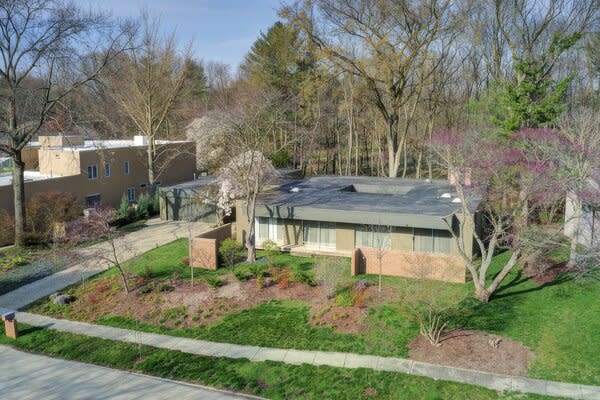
{"x": 364, "y": 200}
{"x": 109, "y": 144}
{"x": 6, "y": 178}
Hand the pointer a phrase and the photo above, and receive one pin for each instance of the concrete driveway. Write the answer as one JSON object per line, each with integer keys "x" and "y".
{"x": 89, "y": 261}
{"x": 25, "y": 376}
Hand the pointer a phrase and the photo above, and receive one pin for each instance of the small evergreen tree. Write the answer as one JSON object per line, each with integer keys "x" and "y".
{"x": 124, "y": 211}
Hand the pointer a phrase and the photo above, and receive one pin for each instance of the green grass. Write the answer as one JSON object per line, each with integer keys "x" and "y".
{"x": 273, "y": 380}
{"x": 559, "y": 322}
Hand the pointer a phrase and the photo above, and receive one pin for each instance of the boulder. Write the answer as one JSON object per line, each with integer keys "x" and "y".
{"x": 62, "y": 299}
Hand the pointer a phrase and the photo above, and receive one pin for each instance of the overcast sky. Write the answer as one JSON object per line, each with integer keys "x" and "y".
{"x": 221, "y": 30}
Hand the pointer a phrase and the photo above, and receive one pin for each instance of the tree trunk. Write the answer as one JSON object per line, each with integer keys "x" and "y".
{"x": 19, "y": 197}
{"x": 575, "y": 236}
{"x": 150, "y": 151}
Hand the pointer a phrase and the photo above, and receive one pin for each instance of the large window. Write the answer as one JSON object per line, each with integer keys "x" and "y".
{"x": 268, "y": 229}
{"x": 319, "y": 234}
{"x": 92, "y": 171}
{"x": 432, "y": 241}
{"x": 376, "y": 236}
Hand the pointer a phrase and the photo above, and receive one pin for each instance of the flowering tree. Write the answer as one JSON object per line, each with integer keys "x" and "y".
{"x": 506, "y": 182}
{"x": 244, "y": 177}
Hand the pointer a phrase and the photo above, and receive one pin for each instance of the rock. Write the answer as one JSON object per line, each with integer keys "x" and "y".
{"x": 62, "y": 299}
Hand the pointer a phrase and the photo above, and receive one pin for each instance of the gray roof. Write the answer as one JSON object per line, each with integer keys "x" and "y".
{"x": 364, "y": 200}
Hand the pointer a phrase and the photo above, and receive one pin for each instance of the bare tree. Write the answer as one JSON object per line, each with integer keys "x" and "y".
{"x": 147, "y": 84}
{"x": 331, "y": 273}
{"x": 48, "y": 49}
{"x": 392, "y": 46}
{"x": 98, "y": 226}
{"x": 578, "y": 154}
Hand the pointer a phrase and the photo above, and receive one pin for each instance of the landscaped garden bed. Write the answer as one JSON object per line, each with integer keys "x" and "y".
{"x": 543, "y": 329}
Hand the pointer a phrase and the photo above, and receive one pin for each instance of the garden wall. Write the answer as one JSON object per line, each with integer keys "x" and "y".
{"x": 409, "y": 264}
{"x": 205, "y": 247}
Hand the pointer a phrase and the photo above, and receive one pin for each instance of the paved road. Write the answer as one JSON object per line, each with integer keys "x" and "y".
{"x": 90, "y": 260}
{"x": 25, "y": 376}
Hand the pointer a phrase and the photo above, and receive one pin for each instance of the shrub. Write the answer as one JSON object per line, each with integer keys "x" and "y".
{"x": 7, "y": 230}
{"x": 147, "y": 272}
{"x": 154, "y": 205}
{"x": 257, "y": 270}
{"x": 344, "y": 299}
{"x": 271, "y": 250}
{"x": 46, "y": 210}
{"x": 141, "y": 211}
{"x": 299, "y": 275}
{"x": 163, "y": 287}
{"x": 283, "y": 279}
{"x": 145, "y": 289}
{"x": 260, "y": 281}
{"x": 125, "y": 211}
{"x": 214, "y": 282}
{"x": 242, "y": 275}
{"x": 231, "y": 252}
{"x": 17, "y": 261}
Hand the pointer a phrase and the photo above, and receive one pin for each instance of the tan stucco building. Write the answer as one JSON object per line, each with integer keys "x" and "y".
{"x": 402, "y": 221}
{"x": 97, "y": 171}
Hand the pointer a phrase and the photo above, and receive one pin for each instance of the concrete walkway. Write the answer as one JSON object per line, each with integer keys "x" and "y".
{"x": 33, "y": 377}
{"x": 345, "y": 360}
{"x": 90, "y": 262}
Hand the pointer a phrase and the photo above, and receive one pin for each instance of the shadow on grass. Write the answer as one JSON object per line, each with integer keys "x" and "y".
{"x": 32, "y": 329}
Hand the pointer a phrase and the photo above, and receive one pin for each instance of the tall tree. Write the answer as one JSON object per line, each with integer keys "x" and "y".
{"x": 148, "y": 83}
{"x": 537, "y": 34}
{"x": 387, "y": 44}
{"x": 48, "y": 49}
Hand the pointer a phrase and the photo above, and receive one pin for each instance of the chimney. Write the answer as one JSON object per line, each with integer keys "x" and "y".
{"x": 461, "y": 174}
{"x": 140, "y": 140}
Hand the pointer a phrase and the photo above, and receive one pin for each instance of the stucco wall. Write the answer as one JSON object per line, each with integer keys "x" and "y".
{"x": 409, "y": 264}
{"x": 110, "y": 188}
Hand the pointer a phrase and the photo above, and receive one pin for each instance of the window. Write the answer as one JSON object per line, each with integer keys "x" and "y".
{"x": 92, "y": 172}
{"x": 131, "y": 194}
{"x": 143, "y": 186}
{"x": 126, "y": 168}
{"x": 92, "y": 200}
{"x": 268, "y": 229}
{"x": 432, "y": 241}
{"x": 107, "y": 169}
{"x": 319, "y": 234}
{"x": 377, "y": 236}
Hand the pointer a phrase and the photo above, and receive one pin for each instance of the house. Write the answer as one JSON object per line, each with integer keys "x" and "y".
{"x": 388, "y": 222}
{"x": 589, "y": 222}
{"x": 97, "y": 171}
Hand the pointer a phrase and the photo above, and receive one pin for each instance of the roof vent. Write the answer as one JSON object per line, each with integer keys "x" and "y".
{"x": 446, "y": 196}
{"x": 456, "y": 200}
{"x": 295, "y": 189}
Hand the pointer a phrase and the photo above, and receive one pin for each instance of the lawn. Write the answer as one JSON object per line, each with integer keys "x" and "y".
{"x": 272, "y": 380}
{"x": 559, "y": 321}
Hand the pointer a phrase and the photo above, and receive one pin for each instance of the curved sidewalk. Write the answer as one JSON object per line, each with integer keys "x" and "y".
{"x": 33, "y": 377}
{"x": 346, "y": 360}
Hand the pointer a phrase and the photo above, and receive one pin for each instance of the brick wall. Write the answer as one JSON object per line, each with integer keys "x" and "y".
{"x": 205, "y": 247}
{"x": 409, "y": 264}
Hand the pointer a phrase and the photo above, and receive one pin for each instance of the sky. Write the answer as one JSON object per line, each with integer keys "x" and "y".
{"x": 220, "y": 30}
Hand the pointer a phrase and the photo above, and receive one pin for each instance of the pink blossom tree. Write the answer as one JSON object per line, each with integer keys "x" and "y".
{"x": 506, "y": 182}
{"x": 244, "y": 177}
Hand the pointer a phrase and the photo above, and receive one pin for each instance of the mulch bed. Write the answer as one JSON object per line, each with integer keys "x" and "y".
{"x": 475, "y": 350}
